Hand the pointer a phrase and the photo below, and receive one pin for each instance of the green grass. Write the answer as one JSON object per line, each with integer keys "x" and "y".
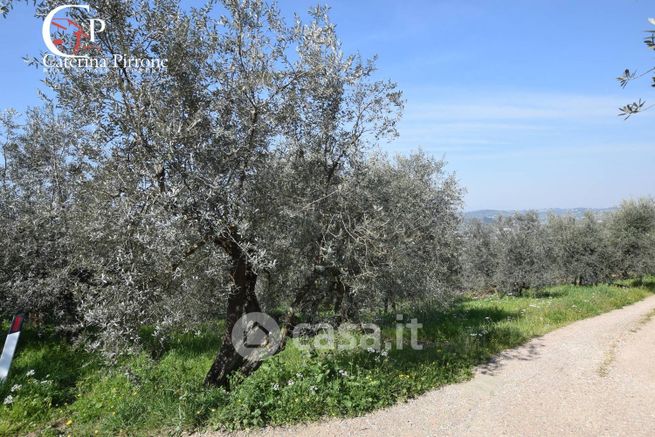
{"x": 75, "y": 392}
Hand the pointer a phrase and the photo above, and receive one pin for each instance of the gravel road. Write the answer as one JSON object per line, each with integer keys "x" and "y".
{"x": 593, "y": 377}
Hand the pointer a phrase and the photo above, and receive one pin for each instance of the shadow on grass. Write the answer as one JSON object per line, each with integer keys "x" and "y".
{"x": 545, "y": 293}
{"x": 647, "y": 283}
{"x": 454, "y": 343}
{"x": 51, "y": 358}
{"x": 203, "y": 340}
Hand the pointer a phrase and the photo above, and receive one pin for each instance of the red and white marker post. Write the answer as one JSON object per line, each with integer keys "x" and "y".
{"x": 10, "y": 346}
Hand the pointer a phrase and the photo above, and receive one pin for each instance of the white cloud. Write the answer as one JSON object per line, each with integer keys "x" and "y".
{"x": 513, "y": 121}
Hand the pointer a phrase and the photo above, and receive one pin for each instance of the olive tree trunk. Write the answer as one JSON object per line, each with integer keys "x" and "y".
{"x": 242, "y": 300}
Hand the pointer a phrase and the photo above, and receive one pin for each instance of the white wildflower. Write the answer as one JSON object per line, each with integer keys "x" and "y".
{"x": 290, "y": 382}
{"x": 15, "y": 387}
{"x": 30, "y": 373}
{"x": 8, "y": 400}
{"x": 276, "y": 387}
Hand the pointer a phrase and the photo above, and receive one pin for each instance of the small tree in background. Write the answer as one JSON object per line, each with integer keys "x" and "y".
{"x": 479, "y": 256}
{"x": 632, "y": 238}
{"x": 522, "y": 253}
{"x": 579, "y": 250}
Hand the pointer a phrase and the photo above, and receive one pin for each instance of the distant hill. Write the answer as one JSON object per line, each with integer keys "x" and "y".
{"x": 489, "y": 215}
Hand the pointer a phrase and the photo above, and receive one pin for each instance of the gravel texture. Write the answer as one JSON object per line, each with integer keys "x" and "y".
{"x": 593, "y": 377}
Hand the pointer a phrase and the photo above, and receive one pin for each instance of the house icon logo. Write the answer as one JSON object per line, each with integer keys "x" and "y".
{"x": 256, "y": 336}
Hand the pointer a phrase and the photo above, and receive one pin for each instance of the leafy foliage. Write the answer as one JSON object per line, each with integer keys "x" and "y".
{"x": 245, "y": 176}
{"x": 141, "y": 395}
{"x": 519, "y": 253}
{"x": 628, "y": 76}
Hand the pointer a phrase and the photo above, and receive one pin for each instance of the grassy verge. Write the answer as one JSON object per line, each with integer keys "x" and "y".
{"x": 55, "y": 389}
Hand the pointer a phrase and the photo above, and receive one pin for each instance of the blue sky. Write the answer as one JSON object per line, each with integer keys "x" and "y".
{"x": 519, "y": 96}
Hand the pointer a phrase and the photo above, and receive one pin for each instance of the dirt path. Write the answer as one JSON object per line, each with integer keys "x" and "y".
{"x": 594, "y": 377}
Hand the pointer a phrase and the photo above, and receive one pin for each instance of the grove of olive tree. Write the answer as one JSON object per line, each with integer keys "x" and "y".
{"x": 519, "y": 252}
{"x": 247, "y": 177}
{"x": 241, "y": 178}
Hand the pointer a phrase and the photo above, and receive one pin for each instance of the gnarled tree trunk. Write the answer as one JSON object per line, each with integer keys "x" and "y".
{"x": 242, "y": 300}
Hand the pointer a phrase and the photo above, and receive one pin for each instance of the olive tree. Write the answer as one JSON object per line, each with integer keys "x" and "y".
{"x": 522, "y": 253}
{"x": 398, "y": 232}
{"x": 580, "y": 252}
{"x": 187, "y": 153}
{"x": 386, "y": 231}
{"x": 43, "y": 163}
{"x": 479, "y": 255}
{"x": 632, "y": 238}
